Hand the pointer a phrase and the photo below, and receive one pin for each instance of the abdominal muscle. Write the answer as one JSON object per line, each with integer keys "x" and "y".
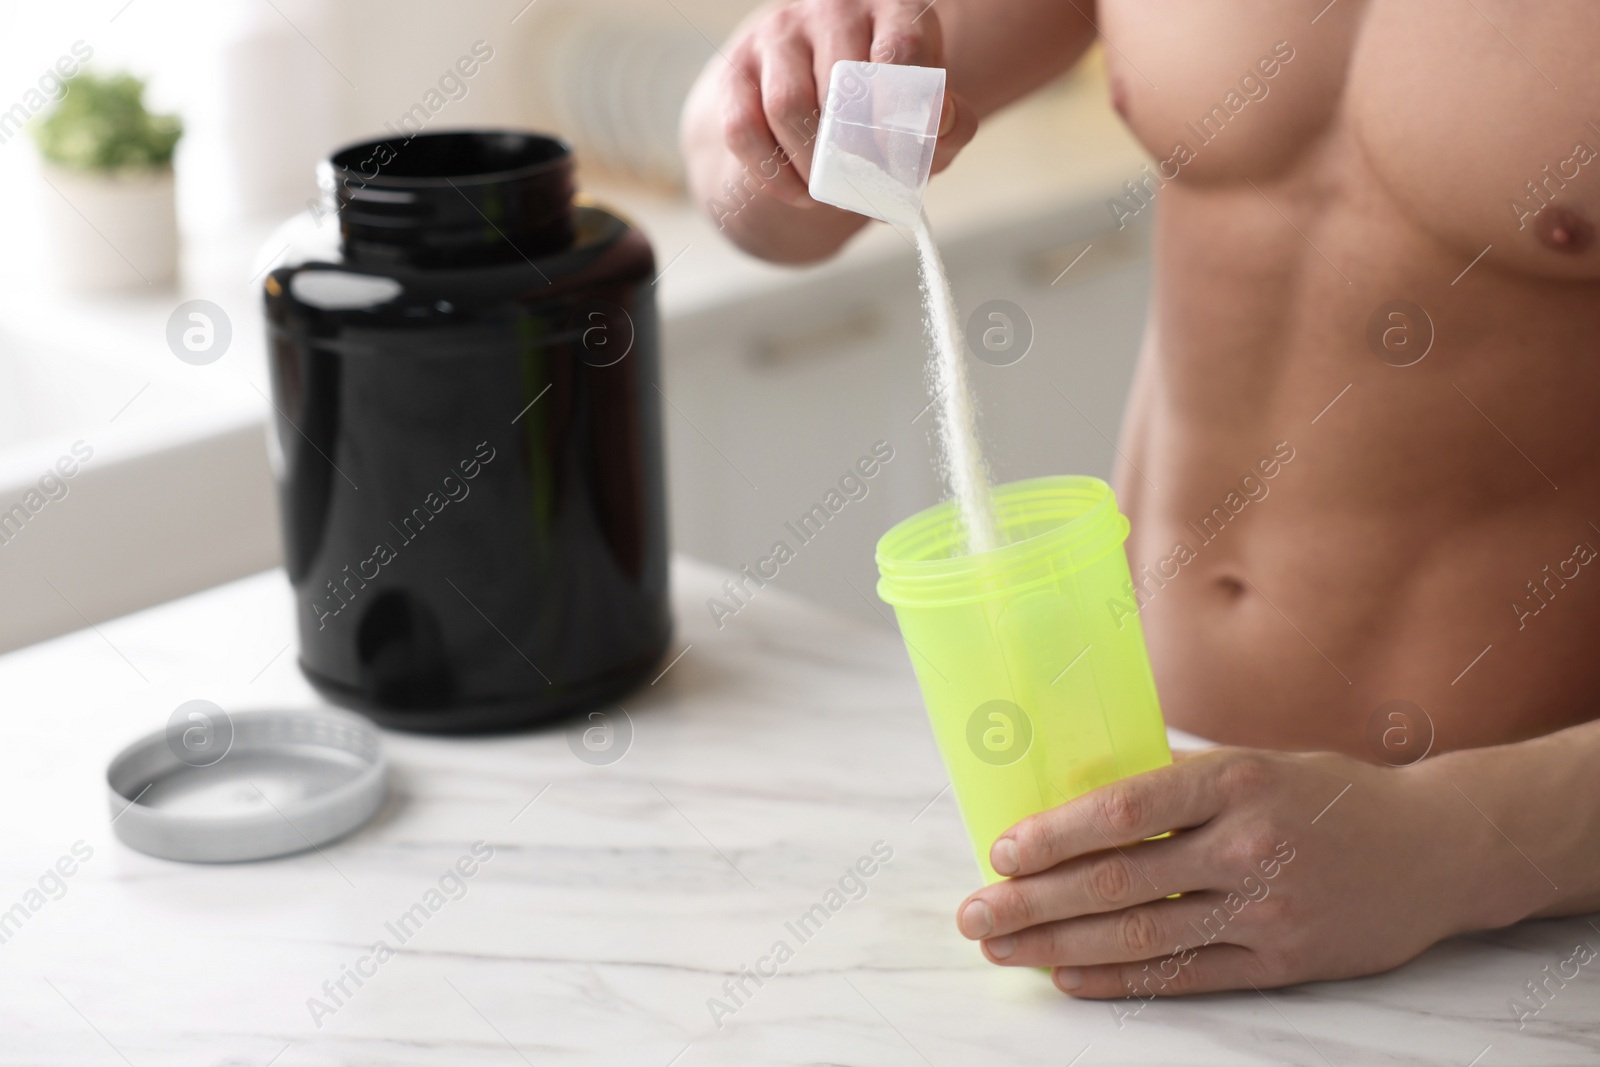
{"x": 1318, "y": 532}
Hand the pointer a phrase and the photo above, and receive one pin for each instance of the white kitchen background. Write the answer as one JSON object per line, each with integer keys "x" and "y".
{"x": 778, "y": 378}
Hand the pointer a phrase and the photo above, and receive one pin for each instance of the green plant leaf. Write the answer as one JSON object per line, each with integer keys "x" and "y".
{"x": 101, "y": 124}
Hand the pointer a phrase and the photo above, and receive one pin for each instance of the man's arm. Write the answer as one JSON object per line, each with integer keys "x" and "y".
{"x": 1291, "y": 867}
{"x": 1542, "y": 797}
{"x": 749, "y": 123}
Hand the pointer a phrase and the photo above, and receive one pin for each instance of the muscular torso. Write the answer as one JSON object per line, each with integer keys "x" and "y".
{"x": 1387, "y": 558}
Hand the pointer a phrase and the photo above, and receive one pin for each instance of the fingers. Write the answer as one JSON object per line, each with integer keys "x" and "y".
{"x": 907, "y": 32}
{"x": 1131, "y": 810}
{"x": 1125, "y": 936}
{"x": 842, "y": 29}
{"x": 748, "y": 135}
{"x": 778, "y": 76}
{"x": 1203, "y": 970}
{"x": 1104, "y": 882}
{"x": 789, "y": 98}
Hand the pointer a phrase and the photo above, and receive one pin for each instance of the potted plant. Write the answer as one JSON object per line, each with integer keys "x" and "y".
{"x": 110, "y": 211}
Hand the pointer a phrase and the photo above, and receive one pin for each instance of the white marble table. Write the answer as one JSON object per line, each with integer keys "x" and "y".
{"x": 619, "y": 898}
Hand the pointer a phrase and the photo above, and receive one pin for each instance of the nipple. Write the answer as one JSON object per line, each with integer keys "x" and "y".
{"x": 1564, "y": 230}
{"x": 1119, "y": 96}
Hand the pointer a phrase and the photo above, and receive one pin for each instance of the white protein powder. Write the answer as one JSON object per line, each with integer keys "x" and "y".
{"x": 960, "y": 456}
{"x": 856, "y": 183}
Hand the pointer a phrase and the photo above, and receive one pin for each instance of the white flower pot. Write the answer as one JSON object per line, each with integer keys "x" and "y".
{"x": 111, "y": 231}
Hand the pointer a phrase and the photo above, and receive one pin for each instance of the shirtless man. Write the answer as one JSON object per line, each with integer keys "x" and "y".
{"x": 1431, "y": 539}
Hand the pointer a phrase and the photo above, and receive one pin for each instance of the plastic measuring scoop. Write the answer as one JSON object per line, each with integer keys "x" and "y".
{"x": 875, "y": 147}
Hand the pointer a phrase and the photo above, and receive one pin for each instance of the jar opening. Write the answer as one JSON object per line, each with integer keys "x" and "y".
{"x": 474, "y": 198}
{"x": 453, "y": 156}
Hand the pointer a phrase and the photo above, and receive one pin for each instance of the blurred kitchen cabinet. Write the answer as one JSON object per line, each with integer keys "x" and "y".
{"x": 772, "y": 400}
{"x": 1083, "y": 286}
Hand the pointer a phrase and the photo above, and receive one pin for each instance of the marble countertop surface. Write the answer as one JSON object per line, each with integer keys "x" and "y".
{"x": 616, "y": 899}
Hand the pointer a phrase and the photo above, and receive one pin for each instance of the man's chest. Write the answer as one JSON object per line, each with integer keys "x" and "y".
{"x": 1480, "y": 120}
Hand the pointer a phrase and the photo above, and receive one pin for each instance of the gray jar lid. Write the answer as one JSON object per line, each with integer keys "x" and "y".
{"x": 218, "y": 787}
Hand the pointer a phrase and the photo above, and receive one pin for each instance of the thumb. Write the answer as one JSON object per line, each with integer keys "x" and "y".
{"x": 957, "y": 125}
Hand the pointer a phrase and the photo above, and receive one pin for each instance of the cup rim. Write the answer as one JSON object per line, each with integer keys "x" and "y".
{"x": 916, "y": 565}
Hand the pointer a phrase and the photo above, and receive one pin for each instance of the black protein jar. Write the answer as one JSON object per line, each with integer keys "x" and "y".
{"x": 469, "y": 430}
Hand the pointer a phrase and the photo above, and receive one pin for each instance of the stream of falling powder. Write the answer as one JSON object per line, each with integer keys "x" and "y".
{"x": 960, "y": 456}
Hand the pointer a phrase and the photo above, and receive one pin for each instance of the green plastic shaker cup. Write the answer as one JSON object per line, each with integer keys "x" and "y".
{"x": 1031, "y": 658}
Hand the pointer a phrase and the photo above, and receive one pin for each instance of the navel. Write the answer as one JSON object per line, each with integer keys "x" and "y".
{"x": 1232, "y": 588}
{"x": 1564, "y": 230}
